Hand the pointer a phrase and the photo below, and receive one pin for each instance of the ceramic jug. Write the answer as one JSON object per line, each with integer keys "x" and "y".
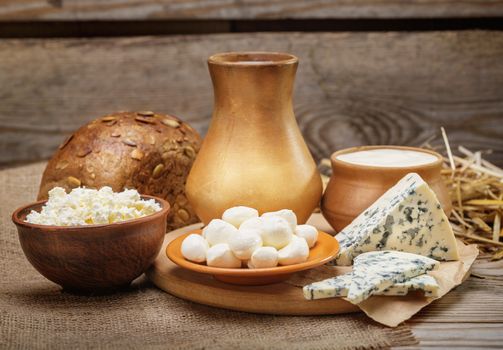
{"x": 254, "y": 153}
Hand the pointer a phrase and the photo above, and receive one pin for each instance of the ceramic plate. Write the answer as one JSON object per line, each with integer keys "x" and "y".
{"x": 326, "y": 249}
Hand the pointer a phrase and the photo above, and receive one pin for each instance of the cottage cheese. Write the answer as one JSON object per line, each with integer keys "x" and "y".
{"x": 83, "y": 206}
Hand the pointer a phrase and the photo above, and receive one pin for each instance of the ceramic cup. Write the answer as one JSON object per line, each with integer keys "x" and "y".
{"x": 354, "y": 187}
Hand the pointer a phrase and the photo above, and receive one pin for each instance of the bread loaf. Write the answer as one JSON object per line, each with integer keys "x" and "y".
{"x": 148, "y": 151}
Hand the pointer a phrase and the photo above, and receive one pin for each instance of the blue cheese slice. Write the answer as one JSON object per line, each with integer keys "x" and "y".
{"x": 408, "y": 217}
{"x": 339, "y": 287}
{"x": 374, "y": 272}
{"x": 424, "y": 283}
{"x": 329, "y": 288}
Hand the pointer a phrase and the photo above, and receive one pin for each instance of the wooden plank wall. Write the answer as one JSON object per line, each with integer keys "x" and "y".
{"x": 244, "y": 9}
{"x": 352, "y": 88}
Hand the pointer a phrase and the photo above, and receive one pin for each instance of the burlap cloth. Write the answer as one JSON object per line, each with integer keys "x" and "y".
{"x": 36, "y": 313}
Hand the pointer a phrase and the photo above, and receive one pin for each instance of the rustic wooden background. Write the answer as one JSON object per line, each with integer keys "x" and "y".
{"x": 371, "y": 72}
{"x": 245, "y": 9}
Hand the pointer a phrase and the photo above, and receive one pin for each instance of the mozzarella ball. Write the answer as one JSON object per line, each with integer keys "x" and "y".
{"x": 276, "y": 232}
{"x": 286, "y": 214}
{"x": 253, "y": 223}
{"x": 220, "y": 255}
{"x": 237, "y": 215}
{"x": 245, "y": 242}
{"x": 194, "y": 248}
{"x": 263, "y": 257}
{"x": 297, "y": 251}
{"x": 308, "y": 232}
{"x": 218, "y": 231}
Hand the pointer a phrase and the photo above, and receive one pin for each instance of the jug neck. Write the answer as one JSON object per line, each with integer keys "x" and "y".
{"x": 254, "y": 85}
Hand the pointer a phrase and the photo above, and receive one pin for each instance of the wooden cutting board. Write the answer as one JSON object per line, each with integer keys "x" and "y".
{"x": 279, "y": 299}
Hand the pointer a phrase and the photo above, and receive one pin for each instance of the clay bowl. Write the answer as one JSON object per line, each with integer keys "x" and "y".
{"x": 325, "y": 250}
{"x": 353, "y": 188}
{"x": 92, "y": 258}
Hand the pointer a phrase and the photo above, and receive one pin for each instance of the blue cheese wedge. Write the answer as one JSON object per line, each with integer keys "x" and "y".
{"x": 408, "y": 217}
{"x": 339, "y": 287}
{"x": 374, "y": 272}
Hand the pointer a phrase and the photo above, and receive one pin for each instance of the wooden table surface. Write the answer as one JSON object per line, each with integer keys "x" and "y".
{"x": 469, "y": 317}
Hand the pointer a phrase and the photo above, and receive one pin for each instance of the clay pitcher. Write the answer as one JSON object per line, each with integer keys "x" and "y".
{"x": 253, "y": 153}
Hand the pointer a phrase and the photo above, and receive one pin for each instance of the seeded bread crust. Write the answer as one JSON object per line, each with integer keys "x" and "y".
{"x": 148, "y": 151}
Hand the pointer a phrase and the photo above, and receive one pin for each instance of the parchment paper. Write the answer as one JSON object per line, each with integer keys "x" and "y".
{"x": 389, "y": 310}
